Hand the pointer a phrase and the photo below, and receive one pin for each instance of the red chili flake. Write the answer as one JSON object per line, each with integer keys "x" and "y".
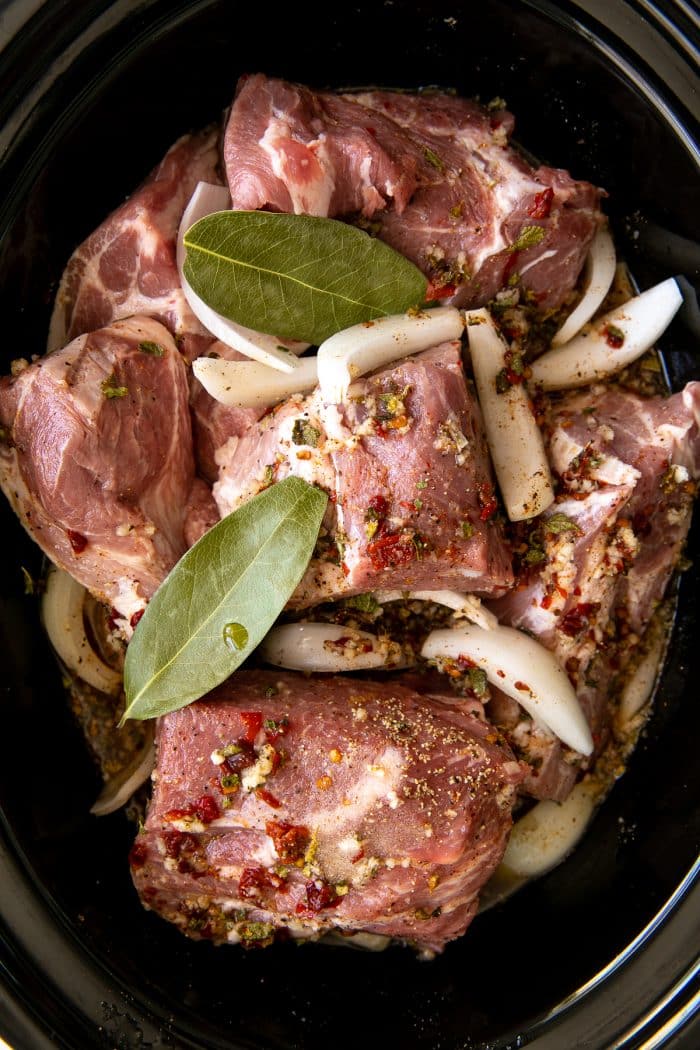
{"x": 205, "y": 809}
{"x": 138, "y": 854}
{"x": 267, "y": 796}
{"x": 344, "y": 569}
{"x": 290, "y": 840}
{"x": 614, "y": 336}
{"x": 243, "y": 758}
{"x": 542, "y": 204}
{"x": 391, "y": 551}
{"x": 522, "y": 687}
{"x": 358, "y": 857}
{"x": 465, "y": 662}
{"x": 254, "y": 881}
{"x": 546, "y": 601}
{"x": 379, "y": 507}
{"x": 577, "y": 618}
{"x": 113, "y": 621}
{"x": 443, "y": 291}
{"x": 319, "y": 895}
{"x": 252, "y": 720}
{"x": 275, "y": 728}
{"x": 577, "y": 591}
{"x": 187, "y": 851}
{"x": 77, "y": 541}
{"x": 136, "y": 617}
{"x": 487, "y": 500}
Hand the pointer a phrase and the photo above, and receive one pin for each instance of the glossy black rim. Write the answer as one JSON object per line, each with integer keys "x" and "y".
{"x": 54, "y": 990}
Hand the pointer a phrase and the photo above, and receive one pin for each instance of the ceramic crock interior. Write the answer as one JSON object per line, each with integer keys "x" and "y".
{"x": 110, "y": 113}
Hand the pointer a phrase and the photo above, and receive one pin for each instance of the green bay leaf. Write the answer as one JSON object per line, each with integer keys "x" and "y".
{"x": 297, "y": 276}
{"x": 230, "y": 587}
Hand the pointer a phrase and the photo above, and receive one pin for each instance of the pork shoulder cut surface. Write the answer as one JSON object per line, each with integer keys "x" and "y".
{"x": 96, "y": 459}
{"x": 413, "y": 501}
{"x": 431, "y": 174}
{"x": 284, "y": 804}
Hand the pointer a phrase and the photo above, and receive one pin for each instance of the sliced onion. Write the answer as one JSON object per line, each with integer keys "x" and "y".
{"x": 62, "y": 613}
{"x": 363, "y": 347}
{"x": 523, "y": 669}
{"x": 514, "y": 439}
{"x": 466, "y": 605}
{"x": 314, "y": 647}
{"x": 589, "y": 356}
{"x": 600, "y": 270}
{"x": 249, "y": 384}
{"x": 120, "y": 788}
{"x": 639, "y": 686}
{"x": 205, "y": 200}
{"x": 549, "y": 831}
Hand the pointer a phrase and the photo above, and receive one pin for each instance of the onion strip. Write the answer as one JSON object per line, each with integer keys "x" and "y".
{"x": 205, "y": 200}
{"x": 325, "y": 647}
{"x": 249, "y": 384}
{"x": 514, "y": 439}
{"x": 549, "y": 831}
{"x": 593, "y": 355}
{"x": 62, "y": 614}
{"x": 363, "y": 347}
{"x": 466, "y": 605}
{"x": 119, "y": 789}
{"x": 600, "y": 270}
{"x": 523, "y": 669}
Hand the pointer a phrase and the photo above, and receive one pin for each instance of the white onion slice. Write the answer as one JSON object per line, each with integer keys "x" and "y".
{"x": 313, "y": 647}
{"x": 205, "y": 200}
{"x": 600, "y": 270}
{"x": 525, "y": 671}
{"x": 466, "y": 605}
{"x": 588, "y": 357}
{"x": 549, "y": 831}
{"x": 514, "y": 439}
{"x": 639, "y": 687}
{"x": 249, "y": 384}
{"x": 363, "y": 347}
{"x": 62, "y": 613}
{"x": 120, "y": 788}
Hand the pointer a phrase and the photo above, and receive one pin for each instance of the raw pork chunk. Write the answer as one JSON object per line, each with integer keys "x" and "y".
{"x": 128, "y": 266}
{"x": 430, "y": 174}
{"x": 96, "y": 459}
{"x": 288, "y": 805}
{"x": 405, "y": 463}
{"x": 601, "y": 557}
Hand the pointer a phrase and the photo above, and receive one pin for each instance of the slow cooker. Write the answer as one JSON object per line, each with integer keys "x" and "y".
{"x": 600, "y": 953}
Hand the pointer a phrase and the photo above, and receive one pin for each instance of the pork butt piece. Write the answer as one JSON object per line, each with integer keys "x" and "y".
{"x": 128, "y": 266}
{"x": 405, "y": 463}
{"x": 96, "y": 459}
{"x": 431, "y": 174}
{"x": 601, "y": 557}
{"x": 288, "y": 805}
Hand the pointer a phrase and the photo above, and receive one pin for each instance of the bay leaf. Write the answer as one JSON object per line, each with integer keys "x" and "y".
{"x": 229, "y": 588}
{"x": 297, "y": 276}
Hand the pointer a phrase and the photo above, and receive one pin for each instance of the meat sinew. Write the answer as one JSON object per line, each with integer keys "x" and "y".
{"x": 288, "y": 805}
{"x": 96, "y": 458}
{"x": 430, "y": 174}
{"x": 413, "y": 498}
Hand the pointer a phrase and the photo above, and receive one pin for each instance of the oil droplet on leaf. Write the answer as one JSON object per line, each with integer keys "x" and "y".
{"x": 235, "y": 636}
